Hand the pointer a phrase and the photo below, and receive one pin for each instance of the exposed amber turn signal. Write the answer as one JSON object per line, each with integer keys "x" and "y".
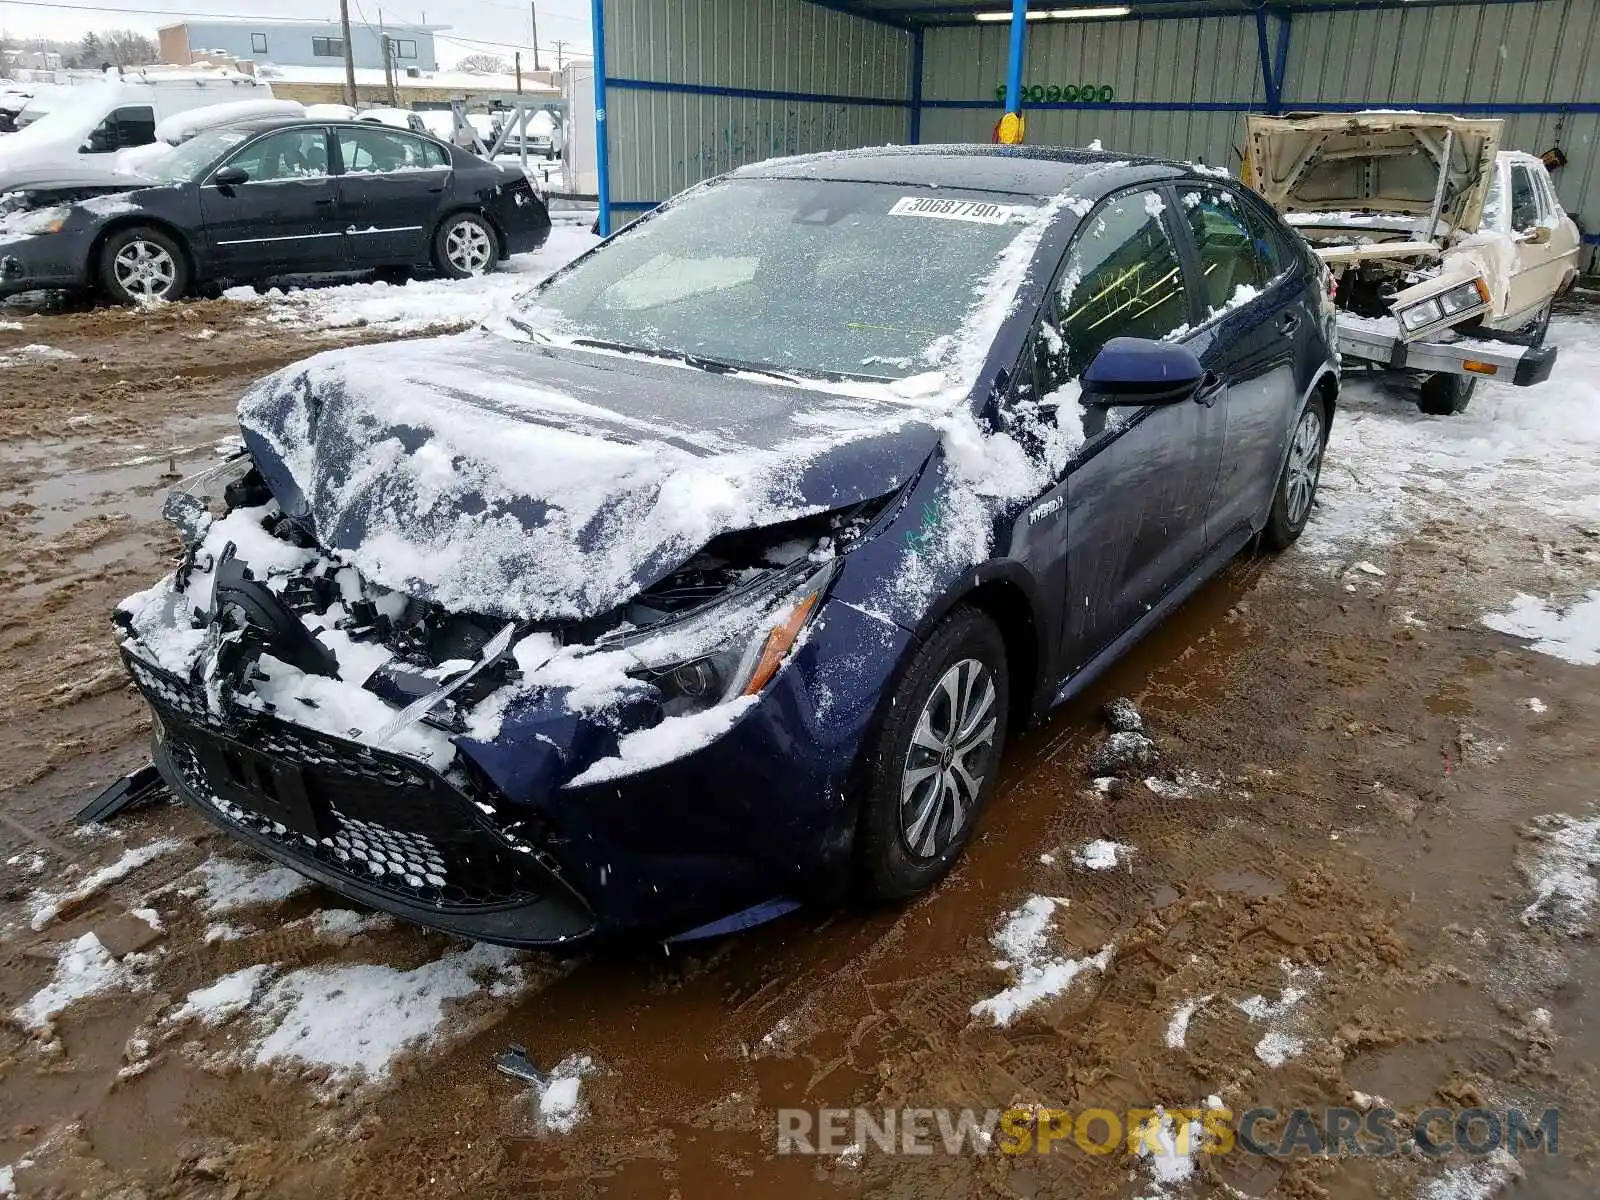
{"x": 779, "y": 642}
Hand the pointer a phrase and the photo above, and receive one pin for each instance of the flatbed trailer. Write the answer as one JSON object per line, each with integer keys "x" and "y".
{"x": 1377, "y": 342}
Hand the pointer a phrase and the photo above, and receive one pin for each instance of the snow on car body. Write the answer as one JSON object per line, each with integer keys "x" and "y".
{"x": 1447, "y": 252}
{"x": 713, "y": 575}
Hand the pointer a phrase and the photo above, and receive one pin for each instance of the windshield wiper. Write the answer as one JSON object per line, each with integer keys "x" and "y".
{"x": 715, "y": 366}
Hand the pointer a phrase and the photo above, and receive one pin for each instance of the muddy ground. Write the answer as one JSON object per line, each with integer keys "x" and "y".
{"x": 1353, "y": 766}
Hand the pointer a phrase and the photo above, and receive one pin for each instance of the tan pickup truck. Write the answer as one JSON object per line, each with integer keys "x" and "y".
{"x": 1447, "y": 252}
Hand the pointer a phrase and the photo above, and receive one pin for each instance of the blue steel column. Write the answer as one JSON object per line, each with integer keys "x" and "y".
{"x": 1019, "y": 38}
{"x": 602, "y": 151}
{"x": 916, "y": 86}
{"x": 1267, "y": 84}
{"x": 1280, "y": 69}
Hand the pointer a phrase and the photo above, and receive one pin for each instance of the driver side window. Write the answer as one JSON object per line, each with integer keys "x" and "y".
{"x": 291, "y": 154}
{"x": 1524, "y": 200}
{"x": 134, "y": 125}
{"x": 1122, "y": 278}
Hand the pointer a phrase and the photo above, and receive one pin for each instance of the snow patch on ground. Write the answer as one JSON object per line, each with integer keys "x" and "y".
{"x": 1178, "y": 1026}
{"x": 85, "y": 968}
{"x": 1282, "y": 1040}
{"x": 231, "y": 884}
{"x": 225, "y": 998}
{"x": 560, "y": 1105}
{"x": 1166, "y": 1149}
{"x": 343, "y": 922}
{"x": 1101, "y": 855}
{"x": 1481, "y": 1179}
{"x": 1572, "y": 635}
{"x": 355, "y": 1019}
{"x": 44, "y": 906}
{"x": 1040, "y": 973}
{"x": 1560, "y": 866}
{"x": 35, "y": 353}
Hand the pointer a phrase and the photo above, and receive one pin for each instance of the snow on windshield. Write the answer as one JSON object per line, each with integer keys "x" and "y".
{"x": 809, "y": 276}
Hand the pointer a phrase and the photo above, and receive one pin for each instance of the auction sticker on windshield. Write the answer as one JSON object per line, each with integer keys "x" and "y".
{"x": 955, "y": 210}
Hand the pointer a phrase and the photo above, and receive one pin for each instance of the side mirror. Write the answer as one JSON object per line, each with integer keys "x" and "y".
{"x": 1539, "y": 235}
{"x": 1137, "y": 371}
{"x": 231, "y": 177}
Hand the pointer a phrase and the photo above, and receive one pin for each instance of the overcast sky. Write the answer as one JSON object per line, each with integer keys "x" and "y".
{"x": 473, "y": 23}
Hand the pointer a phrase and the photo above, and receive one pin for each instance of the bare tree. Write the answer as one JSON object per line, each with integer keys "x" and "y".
{"x": 130, "y": 48}
{"x": 483, "y": 64}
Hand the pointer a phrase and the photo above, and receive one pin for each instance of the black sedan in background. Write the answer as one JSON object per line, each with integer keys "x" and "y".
{"x": 266, "y": 198}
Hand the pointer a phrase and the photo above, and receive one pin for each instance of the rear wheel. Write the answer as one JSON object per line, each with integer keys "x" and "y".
{"x": 141, "y": 265}
{"x": 934, "y": 761}
{"x": 1444, "y": 395}
{"x": 465, "y": 246}
{"x": 1297, "y": 485}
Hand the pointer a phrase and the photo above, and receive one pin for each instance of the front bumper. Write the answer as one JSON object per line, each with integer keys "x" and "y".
{"x": 57, "y": 260}
{"x": 1378, "y": 341}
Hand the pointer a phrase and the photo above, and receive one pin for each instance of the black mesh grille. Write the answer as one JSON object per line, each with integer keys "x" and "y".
{"x": 382, "y": 820}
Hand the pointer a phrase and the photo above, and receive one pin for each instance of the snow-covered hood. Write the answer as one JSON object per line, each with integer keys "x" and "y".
{"x": 504, "y": 478}
{"x": 73, "y": 177}
{"x": 1377, "y": 162}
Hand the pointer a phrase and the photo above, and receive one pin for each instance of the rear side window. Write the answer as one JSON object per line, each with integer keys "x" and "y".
{"x": 1121, "y": 278}
{"x": 1231, "y": 266}
{"x": 1524, "y": 199}
{"x": 134, "y": 125}
{"x": 379, "y": 150}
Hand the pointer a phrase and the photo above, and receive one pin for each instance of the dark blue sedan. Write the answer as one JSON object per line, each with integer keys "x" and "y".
{"x": 714, "y": 577}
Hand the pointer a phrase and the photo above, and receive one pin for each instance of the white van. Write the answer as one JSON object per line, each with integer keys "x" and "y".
{"x": 95, "y": 120}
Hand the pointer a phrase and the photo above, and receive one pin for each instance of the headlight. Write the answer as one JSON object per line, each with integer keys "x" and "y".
{"x": 1462, "y": 300}
{"x": 1465, "y": 297}
{"x": 33, "y": 222}
{"x": 194, "y": 502}
{"x": 734, "y": 647}
{"x": 1422, "y": 314}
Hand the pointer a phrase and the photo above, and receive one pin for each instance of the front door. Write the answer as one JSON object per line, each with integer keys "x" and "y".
{"x": 1254, "y": 324}
{"x": 1546, "y": 248}
{"x": 1136, "y": 497}
{"x": 393, "y": 186}
{"x": 283, "y": 219}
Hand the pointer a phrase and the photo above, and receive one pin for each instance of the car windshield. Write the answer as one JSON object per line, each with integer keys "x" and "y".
{"x": 807, "y": 276}
{"x": 192, "y": 157}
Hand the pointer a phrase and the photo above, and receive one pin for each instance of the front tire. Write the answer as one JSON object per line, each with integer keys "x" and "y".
{"x": 465, "y": 247}
{"x": 934, "y": 761}
{"x": 141, "y": 265}
{"x": 1445, "y": 395}
{"x": 1297, "y": 484}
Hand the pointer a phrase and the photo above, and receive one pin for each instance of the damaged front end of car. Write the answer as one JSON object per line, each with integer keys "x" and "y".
{"x": 475, "y": 772}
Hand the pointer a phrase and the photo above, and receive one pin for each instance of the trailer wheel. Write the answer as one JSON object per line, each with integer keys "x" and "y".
{"x": 1445, "y": 395}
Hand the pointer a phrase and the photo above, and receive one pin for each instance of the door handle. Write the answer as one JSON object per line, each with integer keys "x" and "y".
{"x": 440, "y": 188}
{"x": 1211, "y": 389}
{"x": 1289, "y": 324}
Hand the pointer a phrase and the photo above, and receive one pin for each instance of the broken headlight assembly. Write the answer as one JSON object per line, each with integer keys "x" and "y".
{"x": 195, "y": 502}
{"x": 1449, "y": 307}
{"x": 732, "y": 647}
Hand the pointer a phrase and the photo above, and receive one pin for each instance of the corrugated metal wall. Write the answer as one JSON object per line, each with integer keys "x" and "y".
{"x": 1144, "y": 62}
{"x": 663, "y": 140}
{"x": 1542, "y": 53}
{"x": 1545, "y": 53}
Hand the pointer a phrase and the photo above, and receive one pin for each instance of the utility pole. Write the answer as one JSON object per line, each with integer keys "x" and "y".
{"x": 560, "y": 46}
{"x": 519, "y": 72}
{"x": 349, "y": 55}
{"x": 533, "y": 11}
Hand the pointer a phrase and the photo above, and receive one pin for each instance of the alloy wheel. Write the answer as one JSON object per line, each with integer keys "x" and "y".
{"x": 1305, "y": 465}
{"x": 145, "y": 270}
{"x": 953, "y": 749}
{"x": 469, "y": 248}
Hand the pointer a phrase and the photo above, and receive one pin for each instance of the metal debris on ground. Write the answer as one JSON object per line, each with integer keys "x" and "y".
{"x": 515, "y": 1063}
{"x": 133, "y": 789}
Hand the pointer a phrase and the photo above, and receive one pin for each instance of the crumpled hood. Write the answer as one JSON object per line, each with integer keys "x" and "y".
{"x": 1387, "y": 162}
{"x": 503, "y": 478}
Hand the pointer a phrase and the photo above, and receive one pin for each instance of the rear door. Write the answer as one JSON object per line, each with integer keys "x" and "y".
{"x": 1136, "y": 498}
{"x": 391, "y": 191}
{"x": 1253, "y": 329}
{"x": 284, "y": 219}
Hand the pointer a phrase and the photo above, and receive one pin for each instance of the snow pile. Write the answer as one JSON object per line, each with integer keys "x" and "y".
{"x": 419, "y": 305}
{"x": 85, "y": 968}
{"x": 354, "y": 1020}
{"x": 1282, "y": 1040}
{"x": 1040, "y": 973}
{"x": 560, "y": 1106}
{"x": 230, "y": 884}
{"x": 44, "y": 906}
{"x": 224, "y": 999}
{"x": 1560, "y": 865}
{"x": 1101, "y": 855}
{"x": 1178, "y": 1027}
{"x": 1514, "y": 451}
{"x": 1479, "y": 1179}
{"x": 1572, "y": 636}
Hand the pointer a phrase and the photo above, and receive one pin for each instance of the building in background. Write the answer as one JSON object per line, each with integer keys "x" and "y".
{"x": 296, "y": 43}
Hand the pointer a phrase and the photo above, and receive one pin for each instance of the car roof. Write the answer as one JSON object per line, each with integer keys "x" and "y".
{"x": 1022, "y": 170}
{"x": 264, "y": 124}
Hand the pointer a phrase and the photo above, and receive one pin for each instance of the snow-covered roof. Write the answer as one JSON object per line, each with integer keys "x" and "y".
{"x": 455, "y": 81}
